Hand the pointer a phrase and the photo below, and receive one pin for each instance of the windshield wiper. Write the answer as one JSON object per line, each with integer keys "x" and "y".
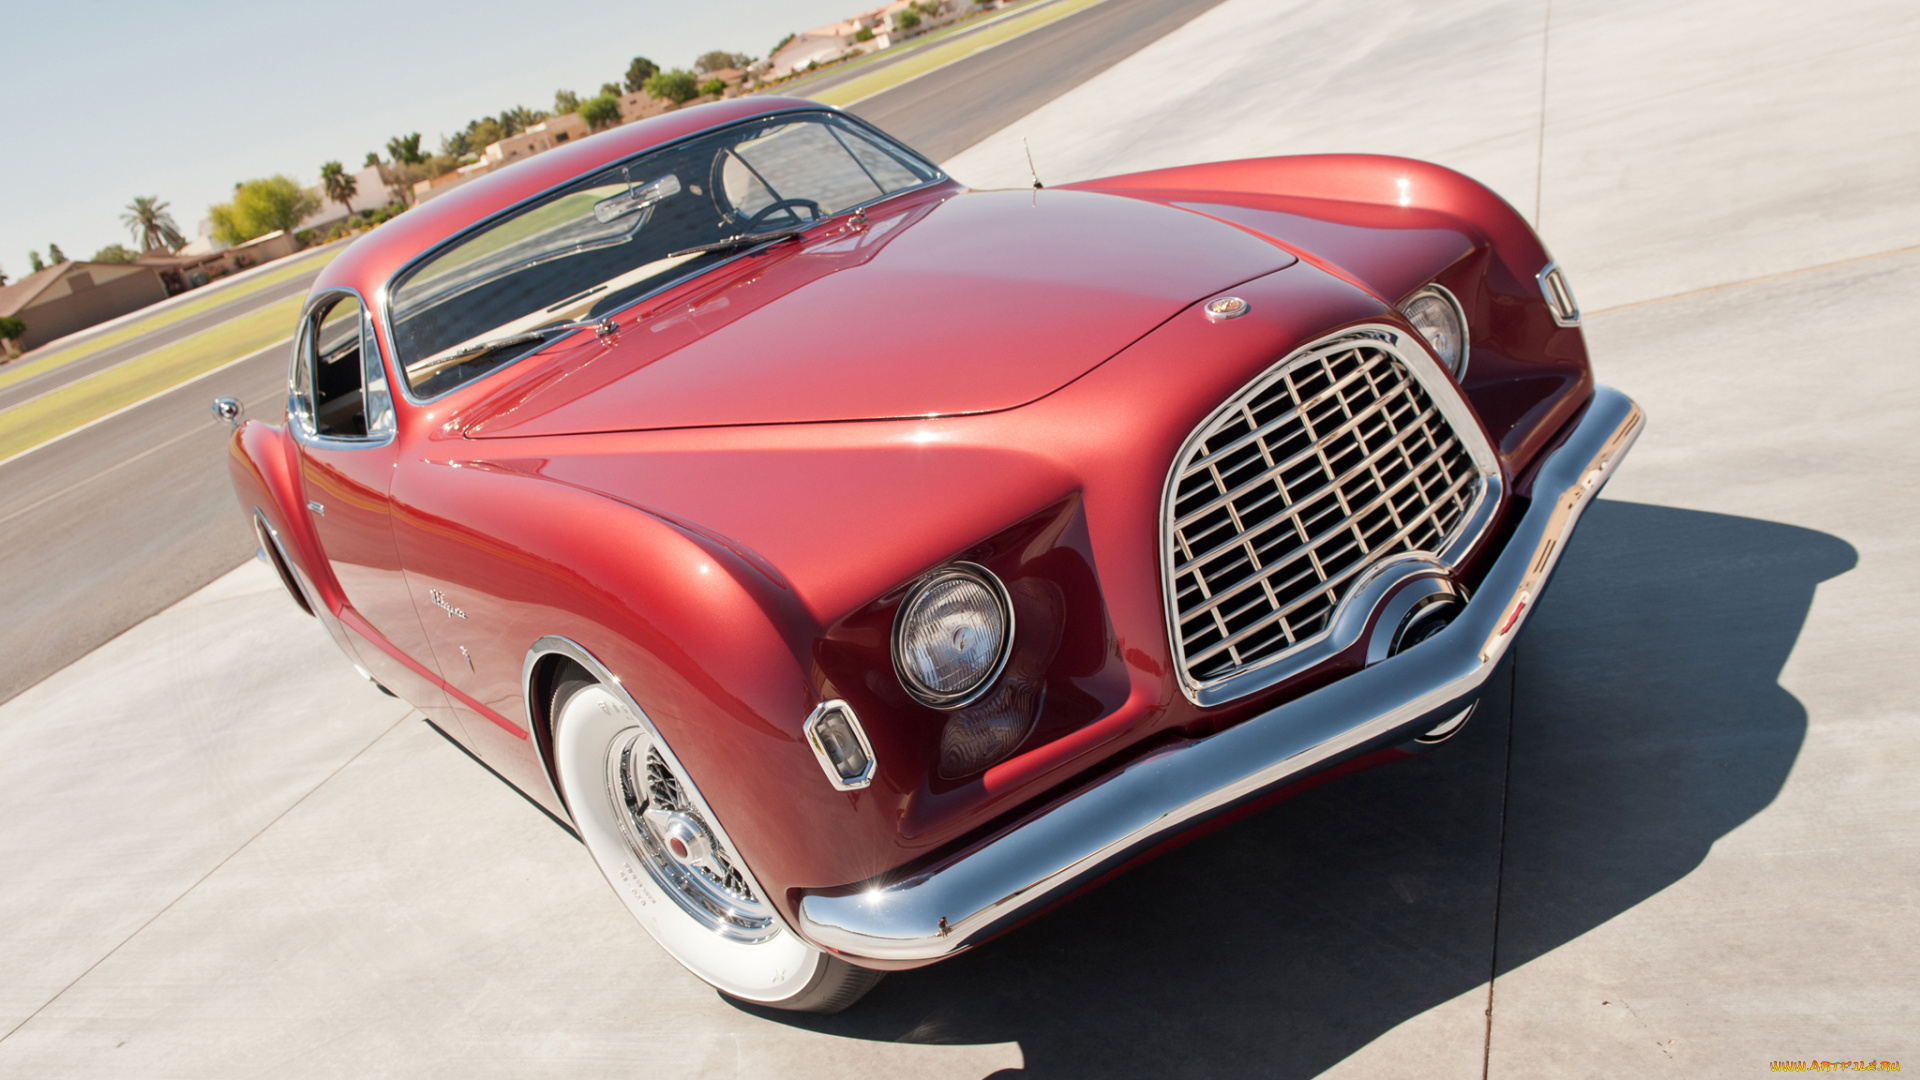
{"x": 743, "y": 240}
{"x": 601, "y": 326}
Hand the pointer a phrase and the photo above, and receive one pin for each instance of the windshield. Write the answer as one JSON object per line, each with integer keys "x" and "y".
{"x": 618, "y": 234}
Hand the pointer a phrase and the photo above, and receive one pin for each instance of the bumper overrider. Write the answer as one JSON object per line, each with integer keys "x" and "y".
{"x": 944, "y": 911}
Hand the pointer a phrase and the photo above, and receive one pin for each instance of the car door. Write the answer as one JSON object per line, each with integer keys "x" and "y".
{"x": 341, "y": 415}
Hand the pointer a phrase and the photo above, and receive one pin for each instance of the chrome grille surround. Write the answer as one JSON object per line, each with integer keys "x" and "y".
{"x": 1294, "y": 509}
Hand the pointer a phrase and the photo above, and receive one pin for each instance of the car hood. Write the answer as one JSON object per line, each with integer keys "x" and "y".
{"x": 971, "y": 303}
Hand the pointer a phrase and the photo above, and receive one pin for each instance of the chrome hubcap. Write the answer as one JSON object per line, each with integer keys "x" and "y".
{"x": 673, "y": 842}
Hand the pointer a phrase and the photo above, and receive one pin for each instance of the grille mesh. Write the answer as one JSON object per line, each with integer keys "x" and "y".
{"x": 1304, "y": 482}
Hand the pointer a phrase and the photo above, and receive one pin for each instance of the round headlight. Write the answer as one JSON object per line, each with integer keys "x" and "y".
{"x": 952, "y": 635}
{"x": 1436, "y": 314}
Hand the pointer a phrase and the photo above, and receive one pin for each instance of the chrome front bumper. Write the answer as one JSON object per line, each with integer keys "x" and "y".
{"x": 942, "y": 912}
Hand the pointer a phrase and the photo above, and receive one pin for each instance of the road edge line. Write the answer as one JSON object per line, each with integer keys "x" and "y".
{"x": 969, "y": 56}
{"x": 128, "y": 360}
{"x": 4, "y": 462}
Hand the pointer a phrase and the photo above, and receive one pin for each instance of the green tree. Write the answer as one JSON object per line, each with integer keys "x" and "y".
{"x": 339, "y": 185}
{"x": 11, "y": 329}
{"x": 260, "y": 207}
{"x": 783, "y": 43}
{"x": 151, "y": 225}
{"x": 677, "y": 86}
{"x": 906, "y": 20}
{"x": 610, "y": 89}
{"x": 601, "y": 112}
{"x": 405, "y": 149}
{"x": 114, "y": 253}
{"x": 639, "y": 72}
{"x": 565, "y": 101}
{"x": 34, "y": 260}
{"x": 713, "y": 86}
{"x": 55, "y": 255}
{"x": 720, "y": 60}
{"x": 863, "y": 34}
{"x": 516, "y": 120}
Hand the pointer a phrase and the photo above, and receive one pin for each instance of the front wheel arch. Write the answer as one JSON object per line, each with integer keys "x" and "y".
{"x": 556, "y": 669}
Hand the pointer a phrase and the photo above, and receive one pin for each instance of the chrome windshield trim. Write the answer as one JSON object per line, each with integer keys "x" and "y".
{"x": 554, "y": 645}
{"x": 384, "y": 318}
{"x": 934, "y": 914}
{"x": 1374, "y": 584}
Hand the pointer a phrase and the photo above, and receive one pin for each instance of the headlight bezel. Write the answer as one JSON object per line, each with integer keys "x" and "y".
{"x": 930, "y": 696}
{"x": 1436, "y": 291}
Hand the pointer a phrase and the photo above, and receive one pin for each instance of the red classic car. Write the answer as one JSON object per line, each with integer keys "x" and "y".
{"x": 863, "y": 563}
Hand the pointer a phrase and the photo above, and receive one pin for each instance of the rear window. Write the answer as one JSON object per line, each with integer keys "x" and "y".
{"x": 616, "y": 235}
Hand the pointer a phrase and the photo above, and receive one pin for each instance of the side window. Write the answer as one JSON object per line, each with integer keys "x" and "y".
{"x": 379, "y": 402}
{"x": 339, "y": 389}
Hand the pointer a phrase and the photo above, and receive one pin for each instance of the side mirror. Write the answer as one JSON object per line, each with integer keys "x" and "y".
{"x": 227, "y": 409}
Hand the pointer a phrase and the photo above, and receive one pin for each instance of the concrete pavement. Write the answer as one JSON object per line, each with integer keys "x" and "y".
{"x": 1684, "y": 842}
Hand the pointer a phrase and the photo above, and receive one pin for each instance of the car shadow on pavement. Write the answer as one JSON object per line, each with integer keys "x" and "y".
{"x": 1643, "y": 719}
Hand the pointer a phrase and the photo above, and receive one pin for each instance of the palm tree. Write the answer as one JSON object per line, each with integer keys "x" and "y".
{"x": 340, "y": 186}
{"x": 151, "y": 225}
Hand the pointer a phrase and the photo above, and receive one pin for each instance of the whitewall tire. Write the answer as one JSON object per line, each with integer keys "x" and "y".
{"x": 653, "y": 837}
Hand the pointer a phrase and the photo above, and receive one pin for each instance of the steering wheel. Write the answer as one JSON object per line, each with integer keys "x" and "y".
{"x": 784, "y": 204}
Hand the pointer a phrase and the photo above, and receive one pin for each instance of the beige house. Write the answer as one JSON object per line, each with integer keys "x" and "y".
{"x": 71, "y": 296}
{"x": 824, "y": 44}
{"x": 640, "y": 105}
{"x": 542, "y": 136}
{"x": 558, "y": 130}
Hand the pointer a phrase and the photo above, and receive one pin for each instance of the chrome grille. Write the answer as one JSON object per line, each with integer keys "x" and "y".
{"x": 1301, "y": 482}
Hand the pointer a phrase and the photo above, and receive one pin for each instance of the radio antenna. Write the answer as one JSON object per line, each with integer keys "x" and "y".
{"x": 1037, "y": 185}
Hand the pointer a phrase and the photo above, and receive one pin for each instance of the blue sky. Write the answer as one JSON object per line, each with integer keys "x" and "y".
{"x": 107, "y": 100}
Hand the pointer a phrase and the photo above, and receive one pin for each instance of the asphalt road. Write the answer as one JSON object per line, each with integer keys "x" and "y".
{"x": 114, "y": 523}
{"x": 945, "y": 111}
{"x": 104, "y": 528}
{"x": 55, "y": 378}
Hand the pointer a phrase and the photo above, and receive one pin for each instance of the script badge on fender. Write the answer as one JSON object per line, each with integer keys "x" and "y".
{"x": 1226, "y": 307}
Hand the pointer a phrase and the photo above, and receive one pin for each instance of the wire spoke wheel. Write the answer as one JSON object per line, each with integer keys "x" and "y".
{"x": 661, "y": 848}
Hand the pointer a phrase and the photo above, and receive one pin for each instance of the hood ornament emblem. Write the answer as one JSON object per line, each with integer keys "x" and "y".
{"x": 1226, "y": 307}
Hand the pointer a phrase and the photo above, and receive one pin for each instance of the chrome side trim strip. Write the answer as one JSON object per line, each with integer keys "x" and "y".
{"x": 944, "y": 911}
{"x": 554, "y": 645}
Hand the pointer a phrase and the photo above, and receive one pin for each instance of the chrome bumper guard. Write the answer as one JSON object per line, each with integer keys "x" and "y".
{"x": 942, "y": 912}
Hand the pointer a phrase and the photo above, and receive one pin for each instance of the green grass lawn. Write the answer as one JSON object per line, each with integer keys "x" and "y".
{"x": 925, "y": 60}
{"x": 31, "y": 423}
{"x": 13, "y": 373}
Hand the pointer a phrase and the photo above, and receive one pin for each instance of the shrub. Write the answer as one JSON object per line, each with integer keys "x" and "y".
{"x": 601, "y": 112}
{"x": 260, "y": 207}
{"x": 863, "y": 34}
{"x": 677, "y": 86}
{"x": 713, "y": 86}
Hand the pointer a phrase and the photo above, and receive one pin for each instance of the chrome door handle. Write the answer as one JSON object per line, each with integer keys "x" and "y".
{"x": 316, "y": 508}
